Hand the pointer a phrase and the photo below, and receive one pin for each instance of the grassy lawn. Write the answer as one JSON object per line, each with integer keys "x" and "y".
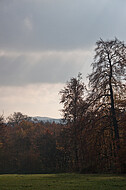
{"x": 62, "y": 182}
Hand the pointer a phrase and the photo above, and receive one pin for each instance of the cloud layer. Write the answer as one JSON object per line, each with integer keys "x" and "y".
{"x": 42, "y": 67}
{"x": 59, "y": 24}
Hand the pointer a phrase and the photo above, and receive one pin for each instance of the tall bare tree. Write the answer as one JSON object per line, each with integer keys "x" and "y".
{"x": 107, "y": 80}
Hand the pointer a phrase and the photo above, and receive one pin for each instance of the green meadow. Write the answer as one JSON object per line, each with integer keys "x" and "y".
{"x": 62, "y": 182}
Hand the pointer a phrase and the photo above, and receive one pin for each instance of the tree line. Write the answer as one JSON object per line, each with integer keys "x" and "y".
{"x": 92, "y": 138}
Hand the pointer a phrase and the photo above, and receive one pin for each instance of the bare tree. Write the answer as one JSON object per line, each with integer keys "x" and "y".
{"x": 107, "y": 80}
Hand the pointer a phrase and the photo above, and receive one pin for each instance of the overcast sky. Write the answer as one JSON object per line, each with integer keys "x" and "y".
{"x": 43, "y": 43}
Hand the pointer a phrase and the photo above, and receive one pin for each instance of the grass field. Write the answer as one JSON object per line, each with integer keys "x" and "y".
{"x": 62, "y": 182}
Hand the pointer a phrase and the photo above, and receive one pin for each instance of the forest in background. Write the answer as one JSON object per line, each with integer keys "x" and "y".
{"x": 93, "y": 136}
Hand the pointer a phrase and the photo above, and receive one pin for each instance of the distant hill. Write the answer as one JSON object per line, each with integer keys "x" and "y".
{"x": 46, "y": 119}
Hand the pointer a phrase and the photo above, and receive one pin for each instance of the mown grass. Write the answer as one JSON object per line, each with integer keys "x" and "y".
{"x": 62, "y": 182}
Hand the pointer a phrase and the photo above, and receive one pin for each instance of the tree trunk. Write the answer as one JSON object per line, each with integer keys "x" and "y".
{"x": 115, "y": 123}
{"x": 76, "y": 166}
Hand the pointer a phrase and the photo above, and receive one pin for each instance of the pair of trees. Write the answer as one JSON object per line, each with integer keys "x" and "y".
{"x": 106, "y": 95}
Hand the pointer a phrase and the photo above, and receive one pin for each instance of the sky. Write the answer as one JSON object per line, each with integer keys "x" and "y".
{"x": 43, "y": 43}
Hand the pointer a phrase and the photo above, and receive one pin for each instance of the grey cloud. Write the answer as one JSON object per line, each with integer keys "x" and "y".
{"x": 54, "y": 25}
{"x": 64, "y": 24}
{"x": 23, "y": 70}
